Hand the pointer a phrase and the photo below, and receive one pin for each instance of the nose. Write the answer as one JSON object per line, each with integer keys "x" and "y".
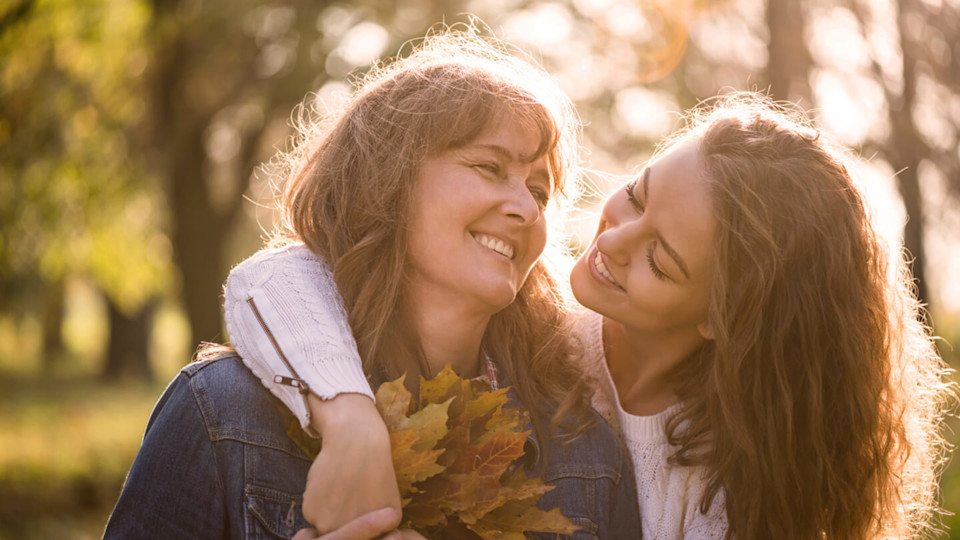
{"x": 620, "y": 237}
{"x": 521, "y": 205}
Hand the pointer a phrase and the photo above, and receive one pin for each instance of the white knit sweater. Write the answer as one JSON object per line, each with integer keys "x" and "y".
{"x": 669, "y": 496}
{"x": 286, "y": 320}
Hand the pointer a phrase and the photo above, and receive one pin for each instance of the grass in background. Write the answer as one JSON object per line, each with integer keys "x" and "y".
{"x": 67, "y": 438}
{"x": 65, "y": 447}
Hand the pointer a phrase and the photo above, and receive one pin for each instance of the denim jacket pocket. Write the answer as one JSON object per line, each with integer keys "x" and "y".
{"x": 588, "y": 529}
{"x": 272, "y": 514}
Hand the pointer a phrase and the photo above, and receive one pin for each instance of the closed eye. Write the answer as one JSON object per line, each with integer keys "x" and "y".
{"x": 488, "y": 169}
{"x": 630, "y": 188}
{"x": 657, "y": 272}
{"x": 541, "y": 196}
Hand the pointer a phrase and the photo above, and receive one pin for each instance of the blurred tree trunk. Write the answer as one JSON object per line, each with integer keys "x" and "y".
{"x": 127, "y": 349}
{"x": 199, "y": 229}
{"x": 788, "y": 60}
{"x": 906, "y": 149}
{"x": 203, "y": 66}
{"x": 52, "y": 332}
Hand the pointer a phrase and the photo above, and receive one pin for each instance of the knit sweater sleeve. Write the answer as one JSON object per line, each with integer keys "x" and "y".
{"x": 286, "y": 320}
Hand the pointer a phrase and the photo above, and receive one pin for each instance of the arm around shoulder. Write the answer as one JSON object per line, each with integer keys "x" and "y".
{"x": 285, "y": 317}
{"x": 287, "y": 322}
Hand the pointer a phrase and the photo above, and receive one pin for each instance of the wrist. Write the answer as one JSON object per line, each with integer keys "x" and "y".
{"x": 344, "y": 414}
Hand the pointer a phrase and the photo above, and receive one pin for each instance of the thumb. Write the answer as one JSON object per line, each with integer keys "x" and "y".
{"x": 368, "y": 526}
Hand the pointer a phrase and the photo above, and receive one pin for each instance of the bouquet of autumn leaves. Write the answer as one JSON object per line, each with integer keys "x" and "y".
{"x": 455, "y": 452}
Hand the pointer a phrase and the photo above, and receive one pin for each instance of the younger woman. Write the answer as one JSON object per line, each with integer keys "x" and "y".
{"x": 763, "y": 349}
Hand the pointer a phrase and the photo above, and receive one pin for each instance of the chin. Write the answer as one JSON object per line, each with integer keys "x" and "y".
{"x": 585, "y": 291}
{"x": 498, "y": 299}
{"x": 577, "y": 278}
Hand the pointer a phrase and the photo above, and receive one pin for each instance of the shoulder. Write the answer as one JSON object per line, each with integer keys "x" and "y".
{"x": 223, "y": 382}
{"x": 593, "y": 482}
{"x": 595, "y": 453}
{"x": 235, "y": 405}
{"x": 290, "y": 252}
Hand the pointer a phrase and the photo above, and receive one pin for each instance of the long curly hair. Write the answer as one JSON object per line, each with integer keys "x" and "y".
{"x": 817, "y": 409}
{"x": 349, "y": 182}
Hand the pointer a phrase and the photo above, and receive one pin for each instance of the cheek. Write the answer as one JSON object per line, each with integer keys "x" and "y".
{"x": 671, "y": 304}
{"x": 537, "y": 242}
{"x": 650, "y": 293}
{"x": 539, "y": 239}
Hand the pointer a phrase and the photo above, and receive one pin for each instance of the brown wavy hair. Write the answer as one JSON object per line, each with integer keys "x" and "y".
{"x": 348, "y": 192}
{"x": 817, "y": 409}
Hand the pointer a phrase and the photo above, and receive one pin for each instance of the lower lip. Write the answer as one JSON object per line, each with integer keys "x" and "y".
{"x": 596, "y": 273}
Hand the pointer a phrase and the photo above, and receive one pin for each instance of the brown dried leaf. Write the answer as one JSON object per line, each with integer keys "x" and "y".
{"x": 454, "y": 451}
{"x": 410, "y": 464}
{"x": 422, "y": 516}
{"x": 393, "y": 402}
{"x": 440, "y": 388}
{"x": 430, "y": 424}
{"x": 491, "y": 457}
{"x": 513, "y": 518}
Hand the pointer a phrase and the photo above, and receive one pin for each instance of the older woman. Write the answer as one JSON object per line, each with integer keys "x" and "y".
{"x": 422, "y": 205}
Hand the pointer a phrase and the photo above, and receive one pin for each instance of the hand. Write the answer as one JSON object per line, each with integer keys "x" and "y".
{"x": 353, "y": 473}
{"x": 339, "y": 534}
{"x": 366, "y": 527}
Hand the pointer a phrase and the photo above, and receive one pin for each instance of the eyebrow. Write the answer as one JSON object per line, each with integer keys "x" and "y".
{"x": 544, "y": 173}
{"x": 645, "y": 181}
{"x": 496, "y": 148}
{"x": 504, "y": 152}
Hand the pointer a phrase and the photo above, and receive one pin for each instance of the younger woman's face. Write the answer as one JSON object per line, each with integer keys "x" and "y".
{"x": 650, "y": 264}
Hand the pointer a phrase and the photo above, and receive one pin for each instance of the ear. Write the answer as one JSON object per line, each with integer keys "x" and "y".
{"x": 706, "y": 330}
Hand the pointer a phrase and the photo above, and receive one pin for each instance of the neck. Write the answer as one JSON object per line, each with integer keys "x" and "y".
{"x": 450, "y": 334}
{"x": 640, "y": 365}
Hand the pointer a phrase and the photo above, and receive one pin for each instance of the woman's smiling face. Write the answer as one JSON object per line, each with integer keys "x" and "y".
{"x": 477, "y": 225}
{"x": 650, "y": 264}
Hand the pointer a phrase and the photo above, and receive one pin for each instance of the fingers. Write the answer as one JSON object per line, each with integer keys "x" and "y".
{"x": 306, "y": 534}
{"x": 368, "y": 526}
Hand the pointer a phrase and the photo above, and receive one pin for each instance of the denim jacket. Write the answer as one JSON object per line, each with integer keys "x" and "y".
{"x": 223, "y": 458}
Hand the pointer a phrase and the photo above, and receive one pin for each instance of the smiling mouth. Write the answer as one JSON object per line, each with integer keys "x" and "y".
{"x": 602, "y": 270}
{"x": 495, "y": 244}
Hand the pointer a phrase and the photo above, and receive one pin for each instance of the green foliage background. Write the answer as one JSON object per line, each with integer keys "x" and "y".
{"x": 131, "y": 132}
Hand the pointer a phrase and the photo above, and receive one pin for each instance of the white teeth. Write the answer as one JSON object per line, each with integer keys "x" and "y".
{"x": 602, "y": 268}
{"x": 497, "y": 245}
